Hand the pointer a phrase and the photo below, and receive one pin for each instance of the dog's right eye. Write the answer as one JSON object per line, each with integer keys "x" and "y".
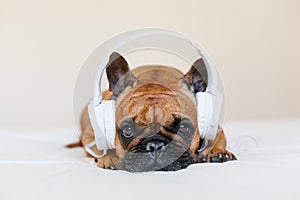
{"x": 127, "y": 132}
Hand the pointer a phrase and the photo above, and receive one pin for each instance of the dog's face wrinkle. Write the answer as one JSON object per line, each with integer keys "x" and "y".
{"x": 173, "y": 127}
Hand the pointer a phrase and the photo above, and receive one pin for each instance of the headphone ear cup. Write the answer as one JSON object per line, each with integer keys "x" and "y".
{"x": 102, "y": 117}
{"x": 204, "y": 112}
{"x": 110, "y": 122}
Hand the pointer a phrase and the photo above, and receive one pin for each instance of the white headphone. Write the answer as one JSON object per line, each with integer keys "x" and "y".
{"x": 102, "y": 112}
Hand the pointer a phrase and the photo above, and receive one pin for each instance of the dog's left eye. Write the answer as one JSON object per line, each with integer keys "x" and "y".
{"x": 127, "y": 132}
{"x": 185, "y": 128}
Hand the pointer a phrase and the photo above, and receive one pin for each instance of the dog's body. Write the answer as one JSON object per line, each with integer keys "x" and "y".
{"x": 155, "y": 119}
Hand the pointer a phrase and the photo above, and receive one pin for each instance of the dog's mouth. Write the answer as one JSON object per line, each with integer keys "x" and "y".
{"x": 156, "y": 153}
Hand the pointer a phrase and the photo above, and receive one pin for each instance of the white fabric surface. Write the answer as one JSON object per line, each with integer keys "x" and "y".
{"x": 35, "y": 165}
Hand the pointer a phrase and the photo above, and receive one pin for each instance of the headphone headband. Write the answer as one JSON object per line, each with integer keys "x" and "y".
{"x": 164, "y": 39}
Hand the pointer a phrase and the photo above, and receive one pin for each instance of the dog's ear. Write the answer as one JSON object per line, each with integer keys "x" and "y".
{"x": 197, "y": 76}
{"x": 118, "y": 74}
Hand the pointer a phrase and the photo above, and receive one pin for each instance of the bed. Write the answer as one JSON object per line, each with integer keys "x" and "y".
{"x": 35, "y": 165}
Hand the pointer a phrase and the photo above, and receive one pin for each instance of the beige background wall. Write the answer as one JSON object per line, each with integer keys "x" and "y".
{"x": 255, "y": 45}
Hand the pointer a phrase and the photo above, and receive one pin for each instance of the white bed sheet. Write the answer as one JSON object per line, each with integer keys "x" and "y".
{"x": 35, "y": 165}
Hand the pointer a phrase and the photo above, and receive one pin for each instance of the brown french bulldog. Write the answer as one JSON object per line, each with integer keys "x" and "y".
{"x": 156, "y": 124}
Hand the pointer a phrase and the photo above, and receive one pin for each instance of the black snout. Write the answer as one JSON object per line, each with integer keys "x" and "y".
{"x": 155, "y": 148}
{"x": 155, "y": 145}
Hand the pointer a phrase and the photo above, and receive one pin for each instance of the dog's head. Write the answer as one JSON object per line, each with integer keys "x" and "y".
{"x": 155, "y": 114}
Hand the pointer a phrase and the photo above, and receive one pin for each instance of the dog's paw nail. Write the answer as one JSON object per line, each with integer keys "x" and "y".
{"x": 217, "y": 158}
{"x": 227, "y": 157}
{"x": 96, "y": 160}
{"x": 111, "y": 167}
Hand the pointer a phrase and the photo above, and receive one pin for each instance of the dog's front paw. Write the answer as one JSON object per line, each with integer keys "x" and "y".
{"x": 105, "y": 162}
{"x": 217, "y": 156}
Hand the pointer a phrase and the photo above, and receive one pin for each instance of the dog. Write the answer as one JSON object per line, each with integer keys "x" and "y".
{"x": 156, "y": 119}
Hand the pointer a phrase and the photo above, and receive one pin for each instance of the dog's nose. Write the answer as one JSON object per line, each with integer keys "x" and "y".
{"x": 155, "y": 145}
